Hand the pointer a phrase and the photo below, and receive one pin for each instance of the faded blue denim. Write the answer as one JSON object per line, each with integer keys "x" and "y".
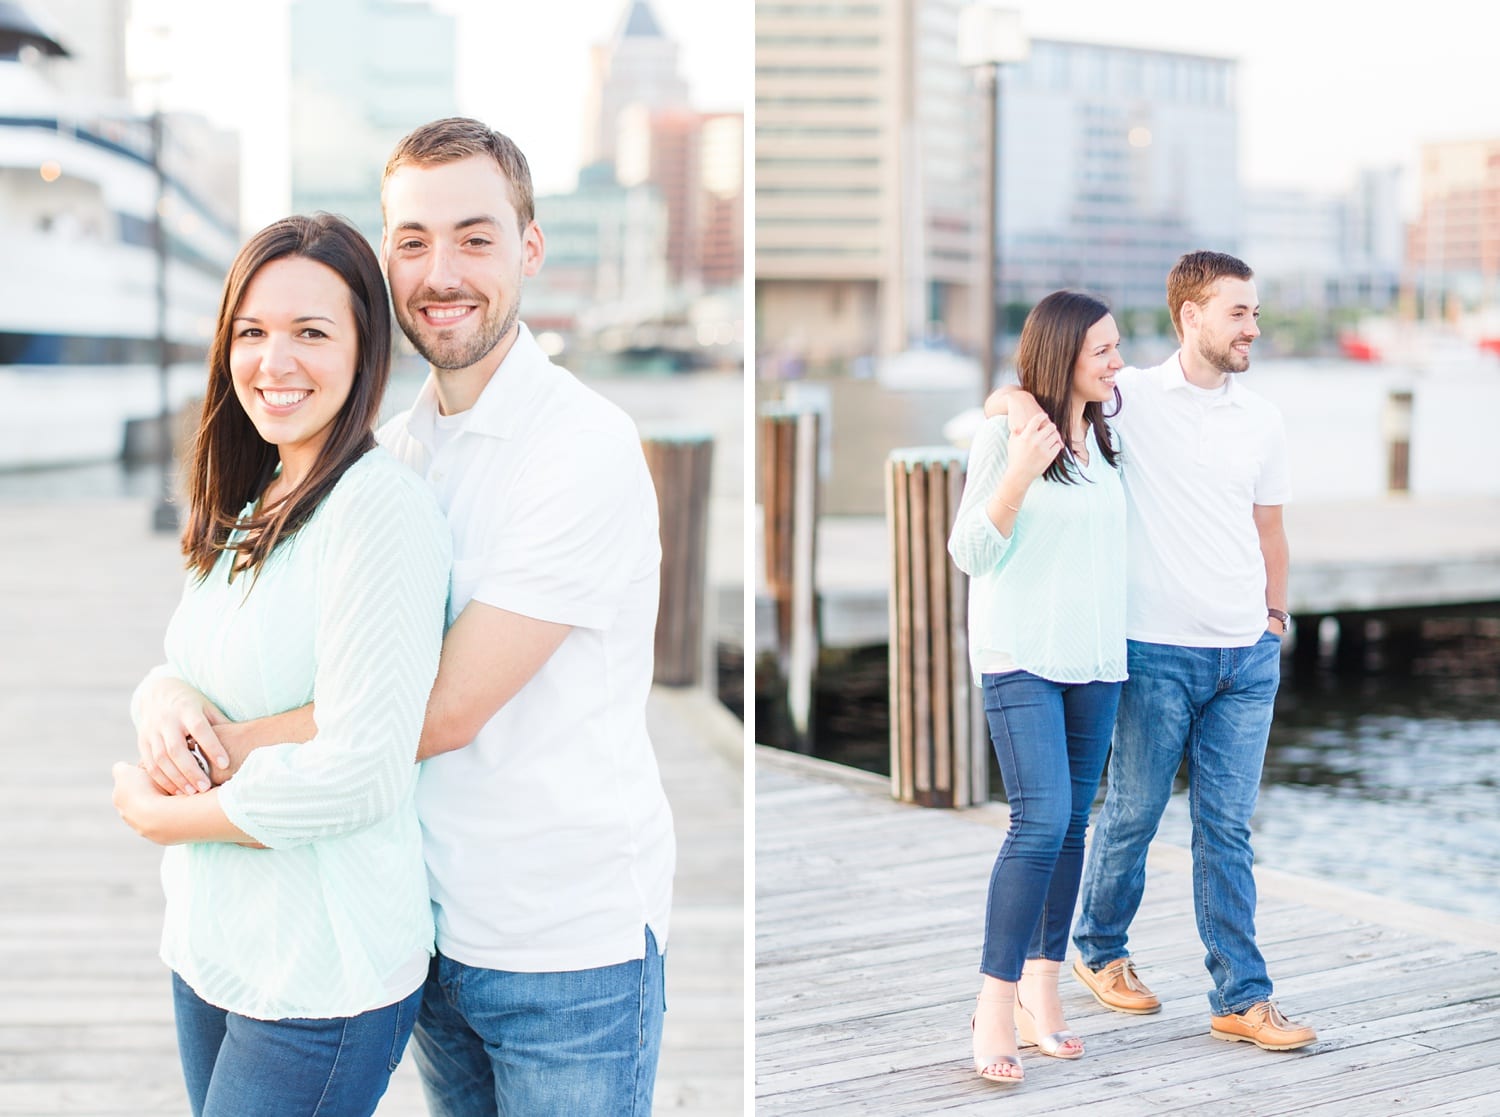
{"x": 1211, "y": 706}
{"x": 578, "y": 1043}
{"x": 1051, "y": 740}
{"x": 236, "y": 1066}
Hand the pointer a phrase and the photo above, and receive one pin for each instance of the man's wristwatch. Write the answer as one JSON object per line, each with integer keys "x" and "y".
{"x": 1281, "y": 615}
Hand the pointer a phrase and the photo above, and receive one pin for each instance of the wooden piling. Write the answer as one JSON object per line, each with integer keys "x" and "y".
{"x": 681, "y": 466}
{"x": 788, "y": 462}
{"x": 1352, "y": 649}
{"x": 1306, "y": 647}
{"x": 1398, "y": 441}
{"x": 939, "y": 750}
{"x": 1400, "y": 642}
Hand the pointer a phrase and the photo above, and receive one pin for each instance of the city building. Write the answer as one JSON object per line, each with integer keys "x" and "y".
{"x": 660, "y": 146}
{"x": 606, "y": 261}
{"x": 363, "y": 73}
{"x": 646, "y": 256}
{"x": 1455, "y": 243}
{"x": 1294, "y": 239}
{"x": 721, "y": 225}
{"x": 1114, "y": 161}
{"x": 1320, "y": 252}
{"x": 696, "y": 162}
{"x": 636, "y": 67}
{"x": 868, "y": 160}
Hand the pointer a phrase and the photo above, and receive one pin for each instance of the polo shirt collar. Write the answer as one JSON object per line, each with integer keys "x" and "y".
{"x": 1173, "y": 378}
{"x": 503, "y": 403}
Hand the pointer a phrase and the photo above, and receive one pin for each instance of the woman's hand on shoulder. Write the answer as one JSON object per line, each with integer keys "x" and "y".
{"x": 1033, "y": 446}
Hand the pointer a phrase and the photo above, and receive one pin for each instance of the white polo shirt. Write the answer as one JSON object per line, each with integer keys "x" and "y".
{"x": 548, "y": 840}
{"x": 1194, "y": 462}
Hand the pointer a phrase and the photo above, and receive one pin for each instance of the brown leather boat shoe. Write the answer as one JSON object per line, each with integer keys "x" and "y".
{"x": 1263, "y": 1025}
{"x": 1116, "y": 986}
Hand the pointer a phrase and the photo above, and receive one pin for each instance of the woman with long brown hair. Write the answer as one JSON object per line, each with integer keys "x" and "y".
{"x": 298, "y": 927}
{"x": 1040, "y": 532}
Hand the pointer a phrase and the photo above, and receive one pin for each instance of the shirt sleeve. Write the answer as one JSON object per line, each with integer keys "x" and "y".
{"x": 976, "y": 544}
{"x": 579, "y": 528}
{"x": 382, "y": 584}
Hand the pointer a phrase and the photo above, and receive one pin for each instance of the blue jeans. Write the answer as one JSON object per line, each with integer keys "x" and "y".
{"x": 579, "y": 1043}
{"x": 236, "y": 1066}
{"x": 1051, "y": 740}
{"x": 1213, "y": 706}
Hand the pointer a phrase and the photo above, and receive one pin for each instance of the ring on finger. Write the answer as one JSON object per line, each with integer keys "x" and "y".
{"x": 197, "y": 754}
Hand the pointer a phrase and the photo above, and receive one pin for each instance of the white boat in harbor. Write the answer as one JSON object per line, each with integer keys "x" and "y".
{"x": 79, "y": 193}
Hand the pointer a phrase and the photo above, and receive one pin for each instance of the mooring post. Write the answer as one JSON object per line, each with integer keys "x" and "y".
{"x": 939, "y": 743}
{"x": 788, "y": 462}
{"x": 681, "y": 467}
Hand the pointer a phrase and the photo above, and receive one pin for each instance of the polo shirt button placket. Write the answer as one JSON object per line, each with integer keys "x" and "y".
{"x": 1206, "y": 433}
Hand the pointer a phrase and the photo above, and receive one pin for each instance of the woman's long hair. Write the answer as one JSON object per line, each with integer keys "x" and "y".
{"x": 231, "y": 464}
{"x": 1051, "y": 343}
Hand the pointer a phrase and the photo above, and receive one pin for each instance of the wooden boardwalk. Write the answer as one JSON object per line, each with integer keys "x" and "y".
{"x": 868, "y": 922}
{"x": 85, "y": 1007}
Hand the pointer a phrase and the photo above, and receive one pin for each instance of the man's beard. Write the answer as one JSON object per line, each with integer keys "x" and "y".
{"x": 1224, "y": 359}
{"x": 454, "y": 353}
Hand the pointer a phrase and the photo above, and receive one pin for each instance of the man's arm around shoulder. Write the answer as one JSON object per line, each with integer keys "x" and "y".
{"x": 1014, "y": 402}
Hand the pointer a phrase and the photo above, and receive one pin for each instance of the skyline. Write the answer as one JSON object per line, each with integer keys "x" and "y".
{"x": 1389, "y": 86}
{"x": 247, "y": 89}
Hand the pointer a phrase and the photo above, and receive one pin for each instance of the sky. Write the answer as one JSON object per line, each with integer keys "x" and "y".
{"x": 522, "y": 68}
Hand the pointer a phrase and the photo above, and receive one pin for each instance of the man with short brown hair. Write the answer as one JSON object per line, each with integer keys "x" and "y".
{"x": 547, "y": 835}
{"x": 1206, "y": 572}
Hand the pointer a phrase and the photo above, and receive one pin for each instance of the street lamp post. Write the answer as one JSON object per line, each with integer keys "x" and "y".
{"x": 989, "y": 82}
{"x": 149, "y": 72}
{"x": 988, "y": 38}
{"x": 164, "y": 515}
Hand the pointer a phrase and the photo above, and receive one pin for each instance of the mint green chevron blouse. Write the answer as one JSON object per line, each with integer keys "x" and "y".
{"x": 1050, "y": 598}
{"x": 333, "y": 918}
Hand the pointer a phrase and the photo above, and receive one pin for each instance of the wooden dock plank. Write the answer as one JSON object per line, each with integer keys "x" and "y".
{"x": 868, "y": 922}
